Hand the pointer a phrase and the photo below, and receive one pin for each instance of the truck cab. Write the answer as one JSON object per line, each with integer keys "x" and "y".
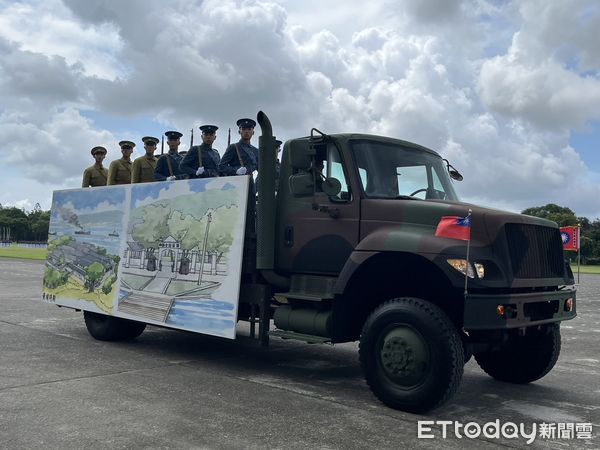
{"x": 357, "y": 256}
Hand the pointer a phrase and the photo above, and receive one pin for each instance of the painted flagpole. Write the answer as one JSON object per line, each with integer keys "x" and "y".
{"x": 468, "y": 251}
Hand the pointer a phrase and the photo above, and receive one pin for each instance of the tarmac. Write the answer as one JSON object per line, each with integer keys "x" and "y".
{"x": 60, "y": 388}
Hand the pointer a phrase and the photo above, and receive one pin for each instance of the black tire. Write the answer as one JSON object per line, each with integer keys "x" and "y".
{"x": 108, "y": 328}
{"x": 523, "y": 359}
{"x": 132, "y": 329}
{"x": 411, "y": 355}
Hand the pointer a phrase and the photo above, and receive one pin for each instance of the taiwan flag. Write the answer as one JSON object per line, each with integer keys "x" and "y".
{"x": 454, "y": 227}
{"x": 570, "y": 238}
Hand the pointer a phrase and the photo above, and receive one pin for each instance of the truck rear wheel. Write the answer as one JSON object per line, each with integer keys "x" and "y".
{"x": 523, "y": 359}
{"x": 108, "y": 328}
{"x": 411, "y": 354}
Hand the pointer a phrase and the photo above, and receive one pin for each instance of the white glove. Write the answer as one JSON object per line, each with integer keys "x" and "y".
{"x": 200, "y": 171}
{"x": 171, "y": 178}
{"x": 241, "y": 171}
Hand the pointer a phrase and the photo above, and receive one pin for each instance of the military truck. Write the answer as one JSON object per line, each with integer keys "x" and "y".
{"x": 346, "y": 250}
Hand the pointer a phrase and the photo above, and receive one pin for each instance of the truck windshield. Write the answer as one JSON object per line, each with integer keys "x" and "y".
{"x": 390, "y": 170}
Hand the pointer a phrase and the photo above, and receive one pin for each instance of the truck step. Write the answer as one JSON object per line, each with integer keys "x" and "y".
{"x": 308, "y": 338}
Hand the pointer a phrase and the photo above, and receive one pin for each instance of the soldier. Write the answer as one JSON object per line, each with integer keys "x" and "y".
{"x": 241, "y": 158}
{"x": 96, "y": 175}
{"x": 119, "y": 171}
{"x": 202, "y": 161}
{"x": 143, "y": 167}
{"x": 167, "y": 166}
{"x": 277, "y": 163}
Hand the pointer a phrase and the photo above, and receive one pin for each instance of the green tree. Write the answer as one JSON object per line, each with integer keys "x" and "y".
{"x": 562, "y": 215}
{"x": 94, "y": 273}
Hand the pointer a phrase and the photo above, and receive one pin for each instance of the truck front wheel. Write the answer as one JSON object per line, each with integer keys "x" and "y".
{"x": 108, "y": 328}
{"x": 411, "y": 354}
{"x": 523, "y": 359}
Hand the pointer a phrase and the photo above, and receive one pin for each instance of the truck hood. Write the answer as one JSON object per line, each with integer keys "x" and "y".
{"x": 422, "y": 217}
{"x": 501, "y": 236}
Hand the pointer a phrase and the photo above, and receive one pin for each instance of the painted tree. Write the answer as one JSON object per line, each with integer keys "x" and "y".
{"x": 220, "y": 237}
{"x": 54, "y": 278}
{"x": 94, "y": 273}
{"x": 152, "y": 228}
{"x": 185, "y": 228}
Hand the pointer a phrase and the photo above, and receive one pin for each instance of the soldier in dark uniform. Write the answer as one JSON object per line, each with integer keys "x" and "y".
{"x": 241, "y": 158}
{"x": 202, "y": 161}
{"x": 167, "y": 166}
{"x": 119, "y": 171}
{"x": 96, "y": 175}
{"x": 142, "y": 170}
{"x": 277, "y": 163}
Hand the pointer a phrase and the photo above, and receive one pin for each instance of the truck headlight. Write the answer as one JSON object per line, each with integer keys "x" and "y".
{"x": 480, "y": 269}
{"x": 467, "y": 268}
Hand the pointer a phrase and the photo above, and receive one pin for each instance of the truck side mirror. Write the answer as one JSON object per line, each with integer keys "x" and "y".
{"x": 301, "y": 154}
{"x": 332, "y": 186}
{"x": 302, "y": 184}
{"x": 455, "y": 175}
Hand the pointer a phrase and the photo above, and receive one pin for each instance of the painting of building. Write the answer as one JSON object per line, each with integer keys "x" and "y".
{"x": 175, "y": 253}
{"x": 83, "y": 259}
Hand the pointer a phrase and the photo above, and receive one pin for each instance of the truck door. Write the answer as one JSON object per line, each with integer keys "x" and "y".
{"x": 320, "y": 232}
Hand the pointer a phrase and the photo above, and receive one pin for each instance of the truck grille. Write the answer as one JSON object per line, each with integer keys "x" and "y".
{"x": 535, "y": 251}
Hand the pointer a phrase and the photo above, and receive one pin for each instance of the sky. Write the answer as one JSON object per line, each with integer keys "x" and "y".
{"x": 508, "y": 91}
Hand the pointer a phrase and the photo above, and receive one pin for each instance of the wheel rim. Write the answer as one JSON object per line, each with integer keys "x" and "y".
{"x": 404, "y": 356}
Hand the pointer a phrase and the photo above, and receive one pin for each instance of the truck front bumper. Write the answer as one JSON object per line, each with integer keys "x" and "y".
{"x": 493, "y": 312}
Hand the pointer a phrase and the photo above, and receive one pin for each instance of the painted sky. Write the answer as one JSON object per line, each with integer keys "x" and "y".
{"x": 509, "y": 91}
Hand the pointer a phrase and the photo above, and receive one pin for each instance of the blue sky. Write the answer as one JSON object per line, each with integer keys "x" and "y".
{"x": 107, "y": 198}
{"x": 509, "y": 91}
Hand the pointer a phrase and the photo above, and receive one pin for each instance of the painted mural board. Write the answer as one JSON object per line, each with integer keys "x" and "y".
{"x": 166, "y": 253}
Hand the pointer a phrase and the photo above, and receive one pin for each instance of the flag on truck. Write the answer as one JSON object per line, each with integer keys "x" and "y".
{"x": 454, "y": 227}
{"x": 570, "y": 238}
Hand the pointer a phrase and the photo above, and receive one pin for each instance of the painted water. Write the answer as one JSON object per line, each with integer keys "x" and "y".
{"x": 99, "y": 236}
{"x": 216, "y": 316}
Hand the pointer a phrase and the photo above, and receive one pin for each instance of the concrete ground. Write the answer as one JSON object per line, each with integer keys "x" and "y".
{"x": 59, "y": 388}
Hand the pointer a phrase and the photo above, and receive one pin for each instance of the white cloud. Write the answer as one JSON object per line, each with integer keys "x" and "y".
{"x": 48, "y": 27}
{"x": 56, "y": 151}
{"x": 496, "y": 87}
{"x": 545, "y": 93}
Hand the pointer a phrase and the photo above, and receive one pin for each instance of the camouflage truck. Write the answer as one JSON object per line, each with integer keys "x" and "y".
{"x": 346, "y": 250}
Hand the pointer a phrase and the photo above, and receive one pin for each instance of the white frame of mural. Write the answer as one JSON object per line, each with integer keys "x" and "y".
{"x": 166, "y": 253}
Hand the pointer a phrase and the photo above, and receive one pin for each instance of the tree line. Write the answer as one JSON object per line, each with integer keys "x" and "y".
{"x": 16, "y": 224}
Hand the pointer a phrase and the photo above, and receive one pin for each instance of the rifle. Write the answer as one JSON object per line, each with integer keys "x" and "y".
{"x": 162, "y": 144}
{"x": 192, "y": 138}
{"x": 229, "y": 137}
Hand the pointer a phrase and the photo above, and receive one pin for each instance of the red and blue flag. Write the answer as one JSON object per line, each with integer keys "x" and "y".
{"x": 454, "y": 227}
{"x": 570, "y": 238}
